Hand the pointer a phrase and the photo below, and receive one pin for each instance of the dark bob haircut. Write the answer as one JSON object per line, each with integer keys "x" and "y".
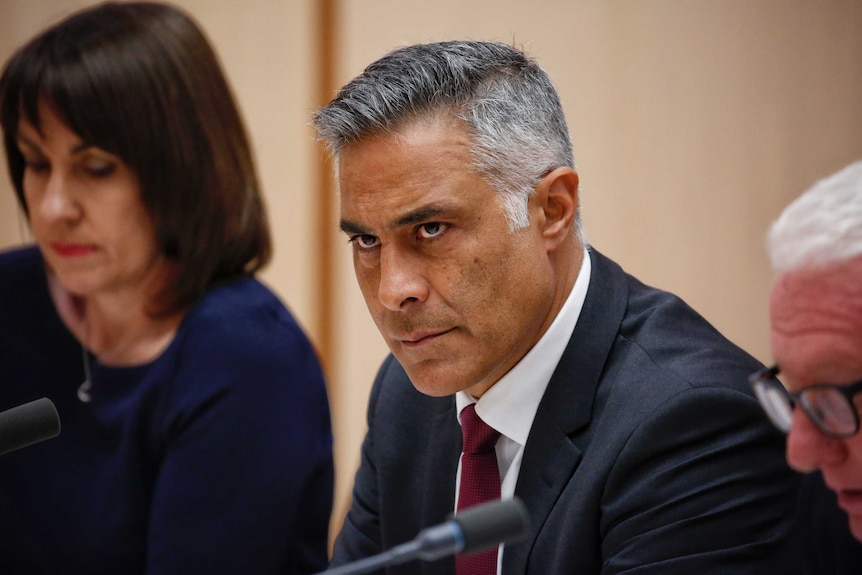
{"x": 141, "y": 81}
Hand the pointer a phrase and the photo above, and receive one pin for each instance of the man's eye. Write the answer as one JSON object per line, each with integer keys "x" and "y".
{"x": 364, "y": 241}
{"x": 430, "y": 230}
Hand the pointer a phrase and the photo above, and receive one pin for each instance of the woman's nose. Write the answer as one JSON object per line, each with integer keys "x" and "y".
{"x": 55, "y": 200}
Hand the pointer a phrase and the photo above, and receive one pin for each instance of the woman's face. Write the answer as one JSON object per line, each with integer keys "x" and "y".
{"x": 86, "y": 213}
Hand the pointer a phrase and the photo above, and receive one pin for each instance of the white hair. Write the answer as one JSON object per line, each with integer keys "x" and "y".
{"x": 821, "y": 227}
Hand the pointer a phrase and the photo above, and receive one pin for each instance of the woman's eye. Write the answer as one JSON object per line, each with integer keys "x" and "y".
{"x": 99, "y": 169}
{"x": 364, "y": 241}
{"x": 36, "y": 165}
{"x": 431, "y": 230}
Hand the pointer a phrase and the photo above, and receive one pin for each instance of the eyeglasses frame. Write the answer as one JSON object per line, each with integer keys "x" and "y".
{"x": 848, "y": 390}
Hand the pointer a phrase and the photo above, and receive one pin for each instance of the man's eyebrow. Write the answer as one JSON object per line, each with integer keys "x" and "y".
{"x": 352, "y": 229}
{"x": 422, "y": 214}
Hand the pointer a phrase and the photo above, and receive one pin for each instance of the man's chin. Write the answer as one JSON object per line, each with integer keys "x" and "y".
{"x": 431, "y": 382}
{"x": 429, "y": 375}
{"x": 434, "y": 388}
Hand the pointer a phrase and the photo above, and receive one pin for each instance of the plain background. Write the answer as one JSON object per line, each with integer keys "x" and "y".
{"x": 694, "y": 122}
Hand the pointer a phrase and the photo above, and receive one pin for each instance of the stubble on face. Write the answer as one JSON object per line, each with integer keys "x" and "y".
{"x": 477, "y": 297}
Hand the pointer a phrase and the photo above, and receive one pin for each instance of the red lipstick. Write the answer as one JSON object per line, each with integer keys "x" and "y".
{"x": 71, "y": 250}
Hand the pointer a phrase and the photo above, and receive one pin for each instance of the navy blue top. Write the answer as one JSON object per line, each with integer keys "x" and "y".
{"x": 214, "y": 458}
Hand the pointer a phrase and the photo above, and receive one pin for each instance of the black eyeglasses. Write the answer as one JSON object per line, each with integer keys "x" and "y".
{"x": 830, "y": 407}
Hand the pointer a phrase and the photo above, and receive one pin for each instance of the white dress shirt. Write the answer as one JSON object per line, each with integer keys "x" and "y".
{"x": 510, "y": 405}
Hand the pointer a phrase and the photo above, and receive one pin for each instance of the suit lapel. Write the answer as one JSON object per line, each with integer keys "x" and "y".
{"x": 441, "y": 466}
{"x": 552, "y": 454}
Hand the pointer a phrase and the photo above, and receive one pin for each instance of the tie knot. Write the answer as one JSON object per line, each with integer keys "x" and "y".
{"x": 479, "y": 437}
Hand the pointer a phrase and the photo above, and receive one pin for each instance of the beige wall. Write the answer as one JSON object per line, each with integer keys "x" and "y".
{"x": 267, "y": 49}
{"x": 693, "y": 122}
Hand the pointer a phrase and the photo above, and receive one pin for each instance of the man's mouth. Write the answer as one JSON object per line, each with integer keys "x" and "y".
{"x": 420, "y": 338}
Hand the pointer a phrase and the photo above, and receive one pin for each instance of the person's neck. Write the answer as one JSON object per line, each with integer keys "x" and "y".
{"x": 116, "y": 328}
{"x": 567, "y": 262}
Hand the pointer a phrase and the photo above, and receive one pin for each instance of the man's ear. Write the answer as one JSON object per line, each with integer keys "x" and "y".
{"x": 557, "y": 194}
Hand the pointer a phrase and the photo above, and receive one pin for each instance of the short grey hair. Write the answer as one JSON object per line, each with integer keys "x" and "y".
{"x": 821, "y": 227}
{"x": 507, "y": 102}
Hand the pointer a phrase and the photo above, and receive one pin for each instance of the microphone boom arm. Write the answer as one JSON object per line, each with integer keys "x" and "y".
{"x": 470, "y": 531}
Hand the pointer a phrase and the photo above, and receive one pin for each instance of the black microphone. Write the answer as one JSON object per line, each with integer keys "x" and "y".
{"x": 28, "y": 424}
{"x": 469, "y": 531}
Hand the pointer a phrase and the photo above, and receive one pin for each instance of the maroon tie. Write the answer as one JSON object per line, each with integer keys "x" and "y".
{"x": 480, "y": 482}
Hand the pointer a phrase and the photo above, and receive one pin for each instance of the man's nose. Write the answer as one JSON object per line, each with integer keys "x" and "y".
{"x": 402, "y": 279}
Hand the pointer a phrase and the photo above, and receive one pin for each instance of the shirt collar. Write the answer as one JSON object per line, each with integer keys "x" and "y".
{"x": 510, "y": 405}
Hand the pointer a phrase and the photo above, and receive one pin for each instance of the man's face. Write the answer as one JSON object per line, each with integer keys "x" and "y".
{"x": 458, "y": 298}
{"x": 816, "y": 331}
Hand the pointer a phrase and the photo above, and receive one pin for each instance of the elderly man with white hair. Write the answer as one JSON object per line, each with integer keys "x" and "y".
{"x": 815, "y": 248}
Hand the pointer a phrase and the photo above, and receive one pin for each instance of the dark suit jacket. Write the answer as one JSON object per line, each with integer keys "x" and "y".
{"x": 824, "y": 531}
{"x": 648, "y": 453}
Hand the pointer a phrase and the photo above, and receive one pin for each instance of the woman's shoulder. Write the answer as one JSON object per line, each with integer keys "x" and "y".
{"x": 242, "y": 301}
{"x": 21, "y": 261}
{"x": 240, "y": 342}
{"x": 242, "y": 318}
{"x": 23, "y": 284}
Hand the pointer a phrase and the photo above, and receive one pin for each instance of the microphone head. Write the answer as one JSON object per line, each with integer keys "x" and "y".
{"x": 27, "y": 424}
{"x": 492, "y": 523}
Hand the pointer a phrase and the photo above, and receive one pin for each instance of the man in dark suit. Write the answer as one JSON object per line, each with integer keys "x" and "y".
{"x": 626, "y": 425}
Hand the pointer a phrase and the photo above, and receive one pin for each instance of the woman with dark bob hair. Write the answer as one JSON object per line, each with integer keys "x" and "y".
{"x": 195, "y": 424}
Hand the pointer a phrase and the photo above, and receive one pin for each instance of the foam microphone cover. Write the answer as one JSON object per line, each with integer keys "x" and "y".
{"x": 493, "y": 523}
{"x": 27, "y": 424}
